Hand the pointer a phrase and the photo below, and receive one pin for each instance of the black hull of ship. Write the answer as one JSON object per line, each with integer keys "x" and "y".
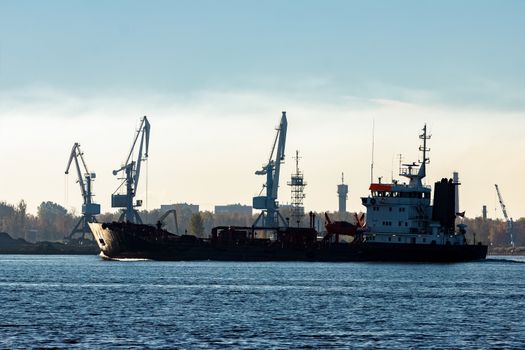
{"x": 124, "y": 244}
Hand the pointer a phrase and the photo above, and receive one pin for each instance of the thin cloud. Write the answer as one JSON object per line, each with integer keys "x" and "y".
{"x": 206, "y": 146}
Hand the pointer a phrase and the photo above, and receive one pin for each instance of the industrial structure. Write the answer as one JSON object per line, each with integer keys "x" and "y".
{"x": 238, "y": 209}
{"x": 484, "y": 213}
{"x": 342, "y": 193}
{"x": 85, "y": 179}
{"x": 270, "y": 216}
{"x": 510, "y": 223}
{"x": 297, "y": 185}
{"x": 131, "y": 175}
{"x": 455, "y": 179}
{"x": 180, "y": 207}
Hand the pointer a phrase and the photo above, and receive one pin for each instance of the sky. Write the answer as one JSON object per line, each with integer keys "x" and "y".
{"x": 214, "y": 76}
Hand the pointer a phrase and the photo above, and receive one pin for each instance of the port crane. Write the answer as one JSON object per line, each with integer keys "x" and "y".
{"x": 270, "y": 216}
{"x": 510, "y": 222}
{"x": 131, "y": 175}
{"x": 85, "y": 179}
{"x": 161, "y": 222}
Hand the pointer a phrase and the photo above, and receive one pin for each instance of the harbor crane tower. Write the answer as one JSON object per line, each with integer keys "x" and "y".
{"x": 85, "y": 179}
{"x": 131, "y": 175}
{"x": 270, "y": 216}
{"x": 510, "y": 222}
{"x": 297, "y": 185}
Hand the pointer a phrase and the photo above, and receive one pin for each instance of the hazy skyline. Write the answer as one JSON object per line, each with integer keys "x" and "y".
{"x": 213, "y": 77}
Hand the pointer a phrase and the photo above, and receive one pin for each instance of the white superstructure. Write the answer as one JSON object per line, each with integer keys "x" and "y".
{"x": 401, "y": 213}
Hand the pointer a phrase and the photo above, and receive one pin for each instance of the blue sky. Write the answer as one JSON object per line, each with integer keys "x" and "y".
{"x": 217, "y": 74}
{"x": 464, "y": 52}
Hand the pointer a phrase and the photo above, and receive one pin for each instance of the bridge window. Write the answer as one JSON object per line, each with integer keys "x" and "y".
{"x": 414, "y": 195}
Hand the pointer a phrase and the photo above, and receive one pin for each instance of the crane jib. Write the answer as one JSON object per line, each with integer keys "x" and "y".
{"x": 132, "y": 174}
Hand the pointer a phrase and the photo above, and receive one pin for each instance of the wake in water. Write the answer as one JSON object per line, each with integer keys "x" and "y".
{"x": 508, "y": 259}
{"x": 105, "y": 257}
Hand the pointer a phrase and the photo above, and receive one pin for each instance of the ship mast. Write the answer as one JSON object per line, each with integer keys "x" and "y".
{"x": 424, "y": 149}
{"x": 411, "y": 171}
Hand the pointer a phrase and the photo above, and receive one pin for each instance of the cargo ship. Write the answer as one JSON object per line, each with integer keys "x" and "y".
{"x": 402, "y": 224}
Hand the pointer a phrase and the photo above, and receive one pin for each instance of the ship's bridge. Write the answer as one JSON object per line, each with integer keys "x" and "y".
{"x": 396, "y": 190}
{"x": 397, "y": 195}
{"x": 398, "y": 208}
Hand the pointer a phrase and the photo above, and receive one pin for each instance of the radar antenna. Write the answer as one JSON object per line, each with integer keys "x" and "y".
{"x": 409, "y": 170}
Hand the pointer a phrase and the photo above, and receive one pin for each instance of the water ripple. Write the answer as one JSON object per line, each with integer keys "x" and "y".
{"x": 84, "y": 302}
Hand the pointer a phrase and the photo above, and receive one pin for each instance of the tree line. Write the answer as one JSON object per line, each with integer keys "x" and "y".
{"x": 53, "y": 222}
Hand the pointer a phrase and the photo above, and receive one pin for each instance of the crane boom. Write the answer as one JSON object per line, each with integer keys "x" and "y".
{"x": 510, "y": 223}
{"x": 144, "y": 143}
{"x": 85, "y": 178}
{"x": 280, "y": 154}
{"x": 75, "y": 154}
{"x": 131, "y": 169}
{"x": 501, "y": 203}
{"x": 271, "y": 169}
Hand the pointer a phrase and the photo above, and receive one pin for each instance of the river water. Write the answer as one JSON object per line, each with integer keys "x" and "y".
{"x": 85, "y": 302}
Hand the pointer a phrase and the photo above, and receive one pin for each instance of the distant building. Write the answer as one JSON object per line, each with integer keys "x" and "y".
{"x": 285, "y": 206}
{"x": 233, "y": 209}
{"x": 180, "y": 207}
